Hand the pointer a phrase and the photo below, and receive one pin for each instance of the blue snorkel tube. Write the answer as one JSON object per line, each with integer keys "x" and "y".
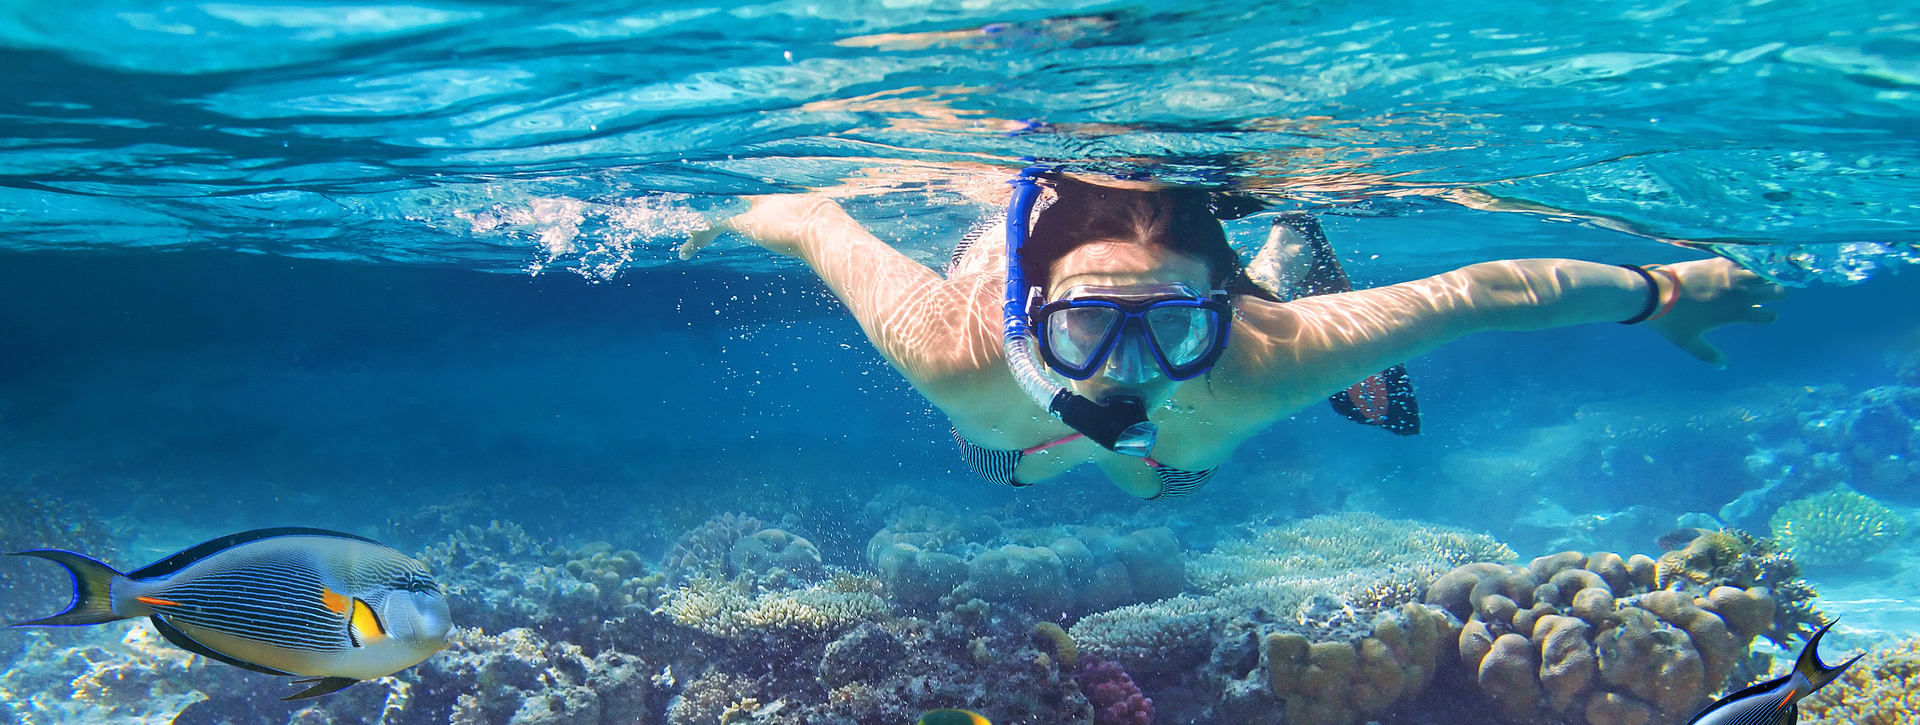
{"x": 1121, "y": 423}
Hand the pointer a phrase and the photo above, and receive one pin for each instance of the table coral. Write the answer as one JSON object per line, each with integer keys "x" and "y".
{"x": 1838, "y": 527}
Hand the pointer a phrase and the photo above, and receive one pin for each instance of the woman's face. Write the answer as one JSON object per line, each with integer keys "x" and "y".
{"x": 1119, "y": 264}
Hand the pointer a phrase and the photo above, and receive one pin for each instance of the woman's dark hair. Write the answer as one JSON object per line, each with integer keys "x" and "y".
{"x": 1179, "y": 219}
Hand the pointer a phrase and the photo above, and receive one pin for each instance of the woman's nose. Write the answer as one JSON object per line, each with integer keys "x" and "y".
{"x": 1130, "y": 361}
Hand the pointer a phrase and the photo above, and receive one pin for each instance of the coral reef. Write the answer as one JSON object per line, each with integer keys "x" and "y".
{"x": 1735, "y": 559}
{"x": 1596, "y": 639}
{"x": 1883, "y": 688}
{"x": 116, "y": 680}
{"x": 1868, "y": 441}
{"x": 513, "y": 678}
{"x": 1321, "y": 615}
{"x": 1838, "y": 527}
{"x": 926, "y": 555}
{"x": 499, "y": 578}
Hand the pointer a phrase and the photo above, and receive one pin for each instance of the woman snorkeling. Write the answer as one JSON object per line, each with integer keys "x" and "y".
{"x": 1161, "y": 353}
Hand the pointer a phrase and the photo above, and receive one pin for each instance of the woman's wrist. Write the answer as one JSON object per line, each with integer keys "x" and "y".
{"x": 1661, "y": 298}
{"x": 1671, "y": 296}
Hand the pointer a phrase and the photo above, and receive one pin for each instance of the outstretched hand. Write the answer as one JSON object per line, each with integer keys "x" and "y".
{"x": 1714, "y": 293}
{"x": 776, "y": 222}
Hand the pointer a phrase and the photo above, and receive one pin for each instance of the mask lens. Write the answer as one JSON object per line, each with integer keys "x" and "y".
{"x": 1075, "y": 333}
{"x": 1183, "y": 334}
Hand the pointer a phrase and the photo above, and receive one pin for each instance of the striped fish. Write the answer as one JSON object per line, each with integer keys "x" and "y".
{"x": 330, "y": 607}
{"x": 1773, "y": 702}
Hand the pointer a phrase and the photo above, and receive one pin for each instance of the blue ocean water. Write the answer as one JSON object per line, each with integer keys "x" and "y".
{"x": 404, "y": 269}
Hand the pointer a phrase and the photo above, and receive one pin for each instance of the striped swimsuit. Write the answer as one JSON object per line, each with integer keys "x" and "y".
{"x": 997, "y": 467}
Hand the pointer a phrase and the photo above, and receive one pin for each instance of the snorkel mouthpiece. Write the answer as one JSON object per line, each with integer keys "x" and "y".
{"x": 1119, "y": 424}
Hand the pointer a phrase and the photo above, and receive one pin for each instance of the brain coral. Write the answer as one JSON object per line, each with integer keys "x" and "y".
{"x": 1839, "y": 527}
{"x": 1577, "y": 637}
{"x": 703, "y": 550}
{"x": 1883, "y": 688}
{"x": 925, "y": 555}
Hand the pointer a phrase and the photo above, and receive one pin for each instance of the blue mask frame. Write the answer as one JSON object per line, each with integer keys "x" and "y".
{"x": 1133, "y": 315}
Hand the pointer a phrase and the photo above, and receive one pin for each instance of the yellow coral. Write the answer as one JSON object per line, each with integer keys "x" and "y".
{"x": 1063, "y": 647}
{"x": 1836, "y": 528}
{"x": 1881, "y": 689}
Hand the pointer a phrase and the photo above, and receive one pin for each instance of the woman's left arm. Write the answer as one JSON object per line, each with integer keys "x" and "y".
{"x": 1312, "y": 347}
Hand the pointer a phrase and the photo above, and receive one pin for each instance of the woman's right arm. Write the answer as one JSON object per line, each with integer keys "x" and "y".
{"x": 939, "y": 333}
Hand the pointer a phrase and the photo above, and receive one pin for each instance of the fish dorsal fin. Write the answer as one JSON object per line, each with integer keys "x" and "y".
{"x": 1742, "y": 694}
{"x": 181, "y": 640}
{"x": 187, "y": 557}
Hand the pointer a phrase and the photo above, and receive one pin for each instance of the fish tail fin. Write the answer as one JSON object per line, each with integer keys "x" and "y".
{"x": 1818, "y": 672}
{"x": 92, "y": 590}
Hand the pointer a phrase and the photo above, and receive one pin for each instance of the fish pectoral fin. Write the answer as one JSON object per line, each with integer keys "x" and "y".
{"x": 320, "y": 686}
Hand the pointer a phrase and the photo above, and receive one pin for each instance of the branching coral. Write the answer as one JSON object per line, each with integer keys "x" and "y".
{"x": 724, "y": 610}
{"x": 1838, "y": 527}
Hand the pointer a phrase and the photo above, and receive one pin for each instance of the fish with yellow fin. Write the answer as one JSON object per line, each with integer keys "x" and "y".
{"x": 952, "y": 717}
{"x": 330, "y": 607}
{"x": 1774, "y": 702}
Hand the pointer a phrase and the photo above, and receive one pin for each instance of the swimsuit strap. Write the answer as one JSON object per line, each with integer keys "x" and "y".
{"x": 1044, "y": 446}
{"x": 996, "y": 466}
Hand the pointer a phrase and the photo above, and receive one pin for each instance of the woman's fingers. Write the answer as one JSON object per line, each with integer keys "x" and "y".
{"x": 701, "y": 239}
{"x": 1698, "y": 346}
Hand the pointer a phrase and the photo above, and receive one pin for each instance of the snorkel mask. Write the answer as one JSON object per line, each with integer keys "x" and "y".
{"x": 1080, "y": 333}
{"x": 1123, "y": 330}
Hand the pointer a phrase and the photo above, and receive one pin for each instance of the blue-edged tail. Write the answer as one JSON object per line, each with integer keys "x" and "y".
{"x": 1774, "y": 702}
{"x": 93, "y": 584}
